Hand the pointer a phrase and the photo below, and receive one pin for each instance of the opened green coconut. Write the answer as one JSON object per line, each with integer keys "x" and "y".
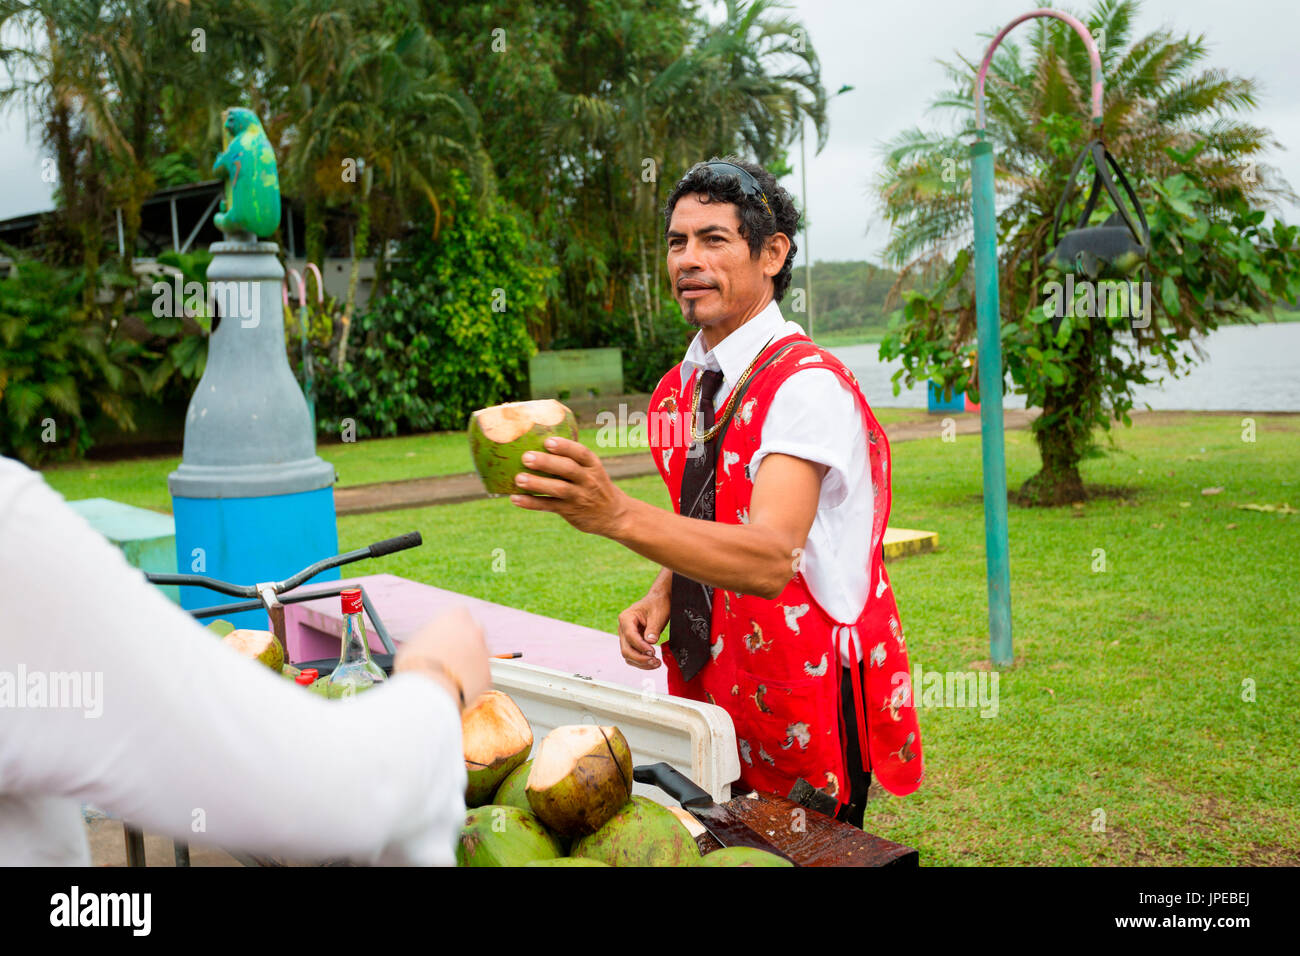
{"x": 511, "y": 792}
{"x": 642, "y": 833}
{"x": 499, "y": 436}
{"x": 742, "y": 856}
{"x": 581, "y": 776}
{"x": 504, "y": 836}
{"x": 260, "y": 646}
{"x": 497, "y": 739}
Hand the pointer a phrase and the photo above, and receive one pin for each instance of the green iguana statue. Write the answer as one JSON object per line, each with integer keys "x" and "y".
{"x": 247, "y": 162}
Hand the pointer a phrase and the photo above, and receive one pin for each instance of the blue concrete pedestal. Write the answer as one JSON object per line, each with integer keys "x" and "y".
{"x": 251, "y": 540}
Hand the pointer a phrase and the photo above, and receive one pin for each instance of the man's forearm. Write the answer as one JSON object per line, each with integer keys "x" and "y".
{"x": 663, "y": 581}
{"x": 747, "y": 559}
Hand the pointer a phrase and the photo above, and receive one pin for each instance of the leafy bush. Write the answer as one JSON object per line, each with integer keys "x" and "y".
{"x": 661, "y": 347}
{"x": 452, "y": 335}
{"x": 65, "y": 372}
{"x": 177, "y": 339}
{"x": 57, "y": 365}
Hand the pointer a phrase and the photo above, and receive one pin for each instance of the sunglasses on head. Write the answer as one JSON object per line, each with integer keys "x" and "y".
{"x": 748, "y": 184}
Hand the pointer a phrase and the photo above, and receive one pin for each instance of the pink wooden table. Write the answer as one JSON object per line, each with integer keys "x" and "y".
{"x": 313, "y": 630}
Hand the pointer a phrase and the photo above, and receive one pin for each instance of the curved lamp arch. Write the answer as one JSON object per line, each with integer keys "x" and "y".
{"x": 1094, "y": 57}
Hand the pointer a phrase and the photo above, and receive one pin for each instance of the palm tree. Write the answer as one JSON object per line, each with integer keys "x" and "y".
{"x": 313, "y": 47}
{"x": 757, "y": 72}
{"x": 385, "y": 103}
{"x": 1170, "y": 120}
{"x": 739, "y": 86}
{"x": 54, "y": 77}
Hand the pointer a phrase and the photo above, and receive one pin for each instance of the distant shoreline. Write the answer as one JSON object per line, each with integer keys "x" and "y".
{"x": 873, "y": 335}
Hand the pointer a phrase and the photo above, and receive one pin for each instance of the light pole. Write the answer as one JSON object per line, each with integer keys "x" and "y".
{"x": 807, "y": 245}
{"x": 807, "y": 249}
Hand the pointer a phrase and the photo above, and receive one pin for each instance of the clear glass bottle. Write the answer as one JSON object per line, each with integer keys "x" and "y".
{"x": 356, "y": 671}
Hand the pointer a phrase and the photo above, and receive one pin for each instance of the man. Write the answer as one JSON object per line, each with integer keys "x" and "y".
{"x": 772, "y": 575}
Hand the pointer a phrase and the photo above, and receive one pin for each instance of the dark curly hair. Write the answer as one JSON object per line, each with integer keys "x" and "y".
{"x": 756, "y": 223}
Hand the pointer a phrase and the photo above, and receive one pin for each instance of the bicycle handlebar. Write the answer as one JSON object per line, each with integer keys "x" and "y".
{"x": 380, "y": 548}
{"x": 403, "y": 541}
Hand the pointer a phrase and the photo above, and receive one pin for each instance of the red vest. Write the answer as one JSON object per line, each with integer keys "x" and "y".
{"x": 776, "y": 664}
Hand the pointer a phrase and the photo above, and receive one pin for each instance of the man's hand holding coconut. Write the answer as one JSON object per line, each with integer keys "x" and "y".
{"x": 772, "y": 581}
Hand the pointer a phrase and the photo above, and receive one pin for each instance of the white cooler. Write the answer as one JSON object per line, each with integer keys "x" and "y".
{"x": 697, "y": 739}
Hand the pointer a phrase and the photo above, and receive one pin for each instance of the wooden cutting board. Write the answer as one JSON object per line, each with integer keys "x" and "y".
{"x": 822, "y": 841}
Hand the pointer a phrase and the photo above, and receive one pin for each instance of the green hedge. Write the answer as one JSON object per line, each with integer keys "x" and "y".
{"x": 58, "y": 365}
{"x": 67, "y": 373}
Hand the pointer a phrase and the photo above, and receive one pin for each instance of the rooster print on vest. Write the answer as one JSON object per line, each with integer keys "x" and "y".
{"x": 776, "y": 665}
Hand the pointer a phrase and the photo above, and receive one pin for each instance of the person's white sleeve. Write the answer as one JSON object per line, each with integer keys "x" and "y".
{"x": 178, "y": 735}
{"x": 814, "y": 416}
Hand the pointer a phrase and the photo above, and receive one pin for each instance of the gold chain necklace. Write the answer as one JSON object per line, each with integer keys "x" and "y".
{"x": 726, "y": 409}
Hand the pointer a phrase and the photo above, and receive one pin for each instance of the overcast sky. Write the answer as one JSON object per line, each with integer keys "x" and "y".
{"x": 887, "y": 50}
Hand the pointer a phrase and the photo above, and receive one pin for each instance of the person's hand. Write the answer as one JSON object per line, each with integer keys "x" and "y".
{"x": 639, "y": 628}
{"x": 449, "y": 649}
{"x": 581, "y": 492}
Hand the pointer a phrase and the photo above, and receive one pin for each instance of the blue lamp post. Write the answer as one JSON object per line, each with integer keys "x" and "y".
{"x": 988, "y": 326}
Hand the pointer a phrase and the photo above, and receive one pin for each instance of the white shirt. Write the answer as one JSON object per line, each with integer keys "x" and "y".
{"x": 813, "y": 416}
{"x": 186, "y": 738}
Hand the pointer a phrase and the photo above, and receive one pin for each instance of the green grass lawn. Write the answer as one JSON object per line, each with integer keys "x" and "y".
{"x": 1127, "y": 695}
{"x": 143, "y": 481}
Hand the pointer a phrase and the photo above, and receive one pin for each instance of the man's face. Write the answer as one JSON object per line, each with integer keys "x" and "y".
{"x": 716, "y": 283}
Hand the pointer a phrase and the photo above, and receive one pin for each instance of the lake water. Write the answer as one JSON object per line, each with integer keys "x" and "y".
{"x": 1247, "y": 368}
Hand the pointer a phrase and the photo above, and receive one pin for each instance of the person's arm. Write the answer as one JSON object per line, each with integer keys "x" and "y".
{"x": 756, "y": 557}
{"x": 663, "y": 582}
{"x": 640, "y": 625}
{"x": 177, "y": 734}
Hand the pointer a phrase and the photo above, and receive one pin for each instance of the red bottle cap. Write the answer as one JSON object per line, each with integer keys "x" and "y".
{"x": 351, "y": 600}
{"x": 305, "y": 679}
{"x": 310, "y": 670}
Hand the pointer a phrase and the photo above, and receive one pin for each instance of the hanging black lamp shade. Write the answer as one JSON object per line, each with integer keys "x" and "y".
{"x": 1113, "y": 250}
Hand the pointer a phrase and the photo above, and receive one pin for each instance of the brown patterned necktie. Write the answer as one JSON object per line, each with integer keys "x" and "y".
{"x": 691, "y": 612}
